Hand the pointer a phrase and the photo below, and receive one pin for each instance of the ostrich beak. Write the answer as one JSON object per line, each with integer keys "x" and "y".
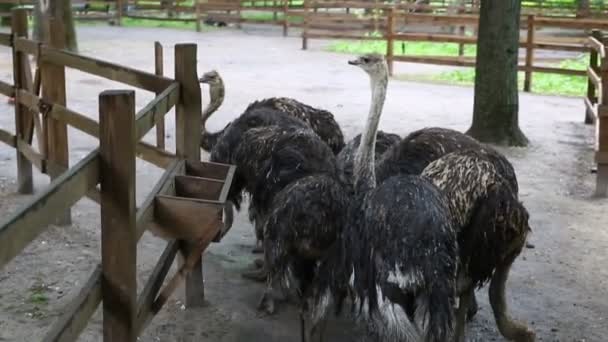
{"x": 354, "y": 62}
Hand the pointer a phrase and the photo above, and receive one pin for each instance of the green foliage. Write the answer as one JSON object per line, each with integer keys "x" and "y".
{"x": 542, "y": 83}
{"x": 401, "y": 48}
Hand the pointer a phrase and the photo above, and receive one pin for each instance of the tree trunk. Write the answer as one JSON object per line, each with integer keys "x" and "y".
{"x": 496, "y": 104}
{"x": 583, "y": 8}
{"x": 61, "y": 10}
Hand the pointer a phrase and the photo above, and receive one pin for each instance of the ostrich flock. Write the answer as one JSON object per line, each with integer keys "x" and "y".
{"x": 402, "y": 229}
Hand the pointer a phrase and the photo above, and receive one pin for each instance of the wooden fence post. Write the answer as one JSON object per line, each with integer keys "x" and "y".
{"x": 119, "y": 8}
{"x": 23, "y": 117}
{"x": 187, "y": 136}
{"x": 239, "y": 17}
{"x": 117, "y": 141}
{"x": 591, "y": 90}
{"x": 53, "y": 92}
{"x": 390, "y": 44}
{"x": 305, "y": 28}
{"x": 529, "y": 53}
{"x": 285, "y": 17}
{"x": 198, "y": 15}
{"x": 158, "y": 70}
{"x": 601, "y": 154}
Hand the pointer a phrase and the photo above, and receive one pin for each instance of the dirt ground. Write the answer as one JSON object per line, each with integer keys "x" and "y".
{"x": 560, "y": 287}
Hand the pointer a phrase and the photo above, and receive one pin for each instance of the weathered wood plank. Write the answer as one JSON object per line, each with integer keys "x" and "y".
{"x": 159, "y": 71}
{"x": 6, "y": 89}
{"x": 78, "y": 313}
{"x": 31, "y": 155}
{"x": 23, "y": 118}
{"x": 187, "y": 136}
{"x": 54, "y": 92}
{"x": 151, "y": 154}
{"x": 111, "y": 71}
{"x": 18, "y": 230}
{"x": 164, "y": 186}
{"x": 5, "y": 39}
{"x": 27, "y": 46}
{"x": 155, "y": 282}
{"x": 8, "y": 138}
{"x": 598, "y": 46}
{"x": 118, "y": 233}
{"x": 594, "y": 77}
{"x": 155, "y": 111}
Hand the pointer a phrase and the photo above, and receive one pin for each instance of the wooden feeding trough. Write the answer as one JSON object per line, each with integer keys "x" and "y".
{"x": 196, "y": 202}
{"x": 192, "y": 210}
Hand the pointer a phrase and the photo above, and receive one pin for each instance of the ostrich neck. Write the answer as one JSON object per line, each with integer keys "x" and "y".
{"x": 216, "y": 98}
{"x": 364, "y": 164}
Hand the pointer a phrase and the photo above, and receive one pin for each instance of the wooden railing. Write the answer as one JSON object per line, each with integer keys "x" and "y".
{"x": 82, "y": 9}
{"x": 112, "y": 167}
{"x": 596, "y": 106}
{"x": 387, "y": 24}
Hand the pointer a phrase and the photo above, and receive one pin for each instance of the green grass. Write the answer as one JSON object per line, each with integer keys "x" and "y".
{"x": 401, "y": 48}
{"x": 268, "y": 16}
{"x": 541, "y": 82}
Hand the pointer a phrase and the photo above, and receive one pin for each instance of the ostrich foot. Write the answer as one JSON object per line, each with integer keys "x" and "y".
{"x": 258, "y": 263}
{"x": 266, "y": 303}
{"x": 258, "y": 275}
{"x": 473, "y": 308}
{"x": 258, "y": 249}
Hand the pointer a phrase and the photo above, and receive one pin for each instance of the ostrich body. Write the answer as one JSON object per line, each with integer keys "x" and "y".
{"x": 321, "y": 121}
{"x": 346, "y": 156}
{"x": 396, "y": 254}
{"x": 419, "y": 148}
{"x": 492, "y": 227}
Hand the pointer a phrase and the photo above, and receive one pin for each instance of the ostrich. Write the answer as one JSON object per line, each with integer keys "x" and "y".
{"x": 295, "y": 151}
{"x": 321, "y": 121}
{"x": 396, "y": 254}
{"x": 418, "y": 149}
{"x": 492, "y": 227}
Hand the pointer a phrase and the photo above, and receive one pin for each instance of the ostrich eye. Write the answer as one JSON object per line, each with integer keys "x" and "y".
{"x": 365, "y": 60}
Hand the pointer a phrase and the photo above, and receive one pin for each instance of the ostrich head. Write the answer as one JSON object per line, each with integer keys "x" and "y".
{"x": 364, "y": 164}
{"x": 216, "y": 92}
{"x": 216, "y": 98}
{"x": 373, "y": 64}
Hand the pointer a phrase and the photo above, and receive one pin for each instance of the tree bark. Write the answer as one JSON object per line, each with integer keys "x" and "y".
{"x": 496, "y": 104}
{"x": 583, "y": 8}
{"x": 61, "y": 10}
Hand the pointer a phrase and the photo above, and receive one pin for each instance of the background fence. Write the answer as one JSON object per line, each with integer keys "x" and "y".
{"x": 185, "y": 206}
{"x": 596, "y": 105}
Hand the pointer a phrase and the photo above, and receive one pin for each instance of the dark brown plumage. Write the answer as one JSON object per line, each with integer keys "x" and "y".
{"x": 321, "y": 121}
{"x": 492, "y": 226}
{"x": 418, "y": 149}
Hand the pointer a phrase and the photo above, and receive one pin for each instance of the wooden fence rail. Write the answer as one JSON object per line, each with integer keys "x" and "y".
{"x": 596, "y": 106}
{"x": 112, "y": 168}
{"x": 387, "y": 23}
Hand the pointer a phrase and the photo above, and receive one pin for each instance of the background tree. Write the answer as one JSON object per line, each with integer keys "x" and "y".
{"x": 496, "y": 104}
{"x": 5, "y": 8}
{"x": 61, "y": 10}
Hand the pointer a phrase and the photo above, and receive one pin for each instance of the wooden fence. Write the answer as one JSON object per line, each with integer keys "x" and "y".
{"x": 390, "y": 24}
{"x": 185, "y": 204}
{"x": 596, "y": 105}
{"x": 82, "y": 9}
